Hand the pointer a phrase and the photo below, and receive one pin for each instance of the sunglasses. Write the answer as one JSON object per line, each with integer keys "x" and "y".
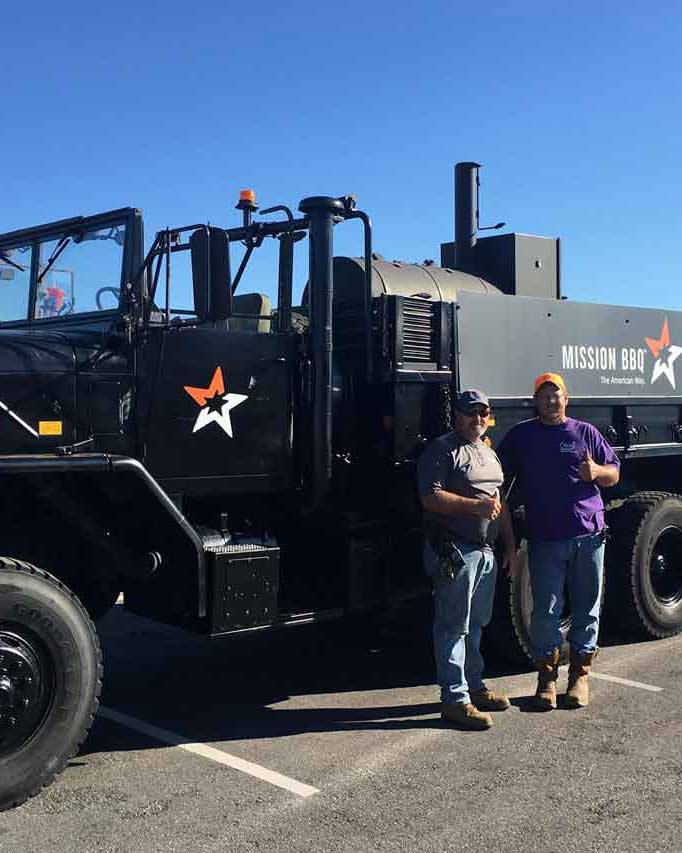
{"x": 478, "y": 413}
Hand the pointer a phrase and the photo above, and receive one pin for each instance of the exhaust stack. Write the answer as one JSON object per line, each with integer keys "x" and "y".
{"x": 466, "y": 214}
{"x": 517, "y": 264}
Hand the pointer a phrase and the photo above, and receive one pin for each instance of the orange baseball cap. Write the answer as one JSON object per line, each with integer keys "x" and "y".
{"x": 554, "y": 378}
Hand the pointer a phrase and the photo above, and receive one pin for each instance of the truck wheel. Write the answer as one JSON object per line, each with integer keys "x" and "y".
{"x": 509, "y": 631}
{"x": 50, "y": 679}
{"x": 644, "y": 554}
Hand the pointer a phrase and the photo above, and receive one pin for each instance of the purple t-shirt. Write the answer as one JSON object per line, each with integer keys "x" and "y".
{"x": 545, "y": 460}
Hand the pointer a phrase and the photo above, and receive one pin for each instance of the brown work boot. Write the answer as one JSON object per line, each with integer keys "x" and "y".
{"x": 548, "y": 672}
{"x": 466, "y": 715}
{"x": 487, "y": 700}
{"x": 578, "y": 693}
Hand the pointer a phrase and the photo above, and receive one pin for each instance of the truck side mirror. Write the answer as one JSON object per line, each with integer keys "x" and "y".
{"x": 211, "y": 277}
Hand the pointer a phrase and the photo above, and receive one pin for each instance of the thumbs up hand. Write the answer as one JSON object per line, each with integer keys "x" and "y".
{"x": 588, "y": 469}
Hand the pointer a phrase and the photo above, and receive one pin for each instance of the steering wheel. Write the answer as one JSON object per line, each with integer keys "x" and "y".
{"x": 100, "y": 293}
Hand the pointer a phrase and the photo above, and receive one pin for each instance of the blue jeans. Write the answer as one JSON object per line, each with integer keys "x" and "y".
{"x": 463, "y": 607}
{"x": 576, "y": 565}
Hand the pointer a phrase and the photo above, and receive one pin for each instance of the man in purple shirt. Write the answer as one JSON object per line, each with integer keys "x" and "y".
{"x": 559, "y": 464}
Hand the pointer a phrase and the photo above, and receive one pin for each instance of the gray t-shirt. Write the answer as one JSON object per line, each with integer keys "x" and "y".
{"x": 472, "y": 470}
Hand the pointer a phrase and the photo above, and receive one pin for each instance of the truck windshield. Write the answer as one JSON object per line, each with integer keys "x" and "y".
{"x": 80, "y": 273}
{"x": 15, "y": 279}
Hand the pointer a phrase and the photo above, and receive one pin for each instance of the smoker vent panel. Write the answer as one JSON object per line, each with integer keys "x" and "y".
{"x": 419, "y": 331}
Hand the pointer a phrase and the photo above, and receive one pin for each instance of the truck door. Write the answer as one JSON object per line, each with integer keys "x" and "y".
{"x": 218, "y": 406}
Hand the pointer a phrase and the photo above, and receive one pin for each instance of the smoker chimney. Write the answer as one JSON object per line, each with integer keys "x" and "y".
{"x": 466, "y": 214}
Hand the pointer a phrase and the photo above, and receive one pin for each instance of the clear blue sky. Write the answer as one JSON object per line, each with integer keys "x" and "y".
{"x": 575, "y": 111}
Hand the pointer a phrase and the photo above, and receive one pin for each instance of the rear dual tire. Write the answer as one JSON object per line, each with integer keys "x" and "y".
{"x": 644, "y": 556}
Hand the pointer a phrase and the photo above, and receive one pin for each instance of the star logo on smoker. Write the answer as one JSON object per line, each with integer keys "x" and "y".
{"x": 665, "y": 354}
{"x": 215, "y": 404}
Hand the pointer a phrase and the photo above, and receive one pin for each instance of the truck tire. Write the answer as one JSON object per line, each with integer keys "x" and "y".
{"x": 50, "y": 679}
{"x": 508, "y": 635}
{"x": 644, "y": 555}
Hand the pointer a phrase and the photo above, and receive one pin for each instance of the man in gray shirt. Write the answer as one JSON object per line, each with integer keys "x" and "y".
{"x": 459, "y": 486}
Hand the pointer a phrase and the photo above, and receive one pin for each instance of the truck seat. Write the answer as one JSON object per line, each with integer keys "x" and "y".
{"x": 251, "y": 303}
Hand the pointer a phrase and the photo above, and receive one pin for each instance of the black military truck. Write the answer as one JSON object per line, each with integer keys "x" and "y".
{"x": 232, "y": 466}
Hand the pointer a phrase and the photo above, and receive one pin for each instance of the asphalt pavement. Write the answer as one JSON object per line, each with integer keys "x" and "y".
{"x": 315, "y": 740}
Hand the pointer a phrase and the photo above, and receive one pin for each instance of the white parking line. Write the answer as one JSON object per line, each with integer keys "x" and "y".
{"x": 165, "y": 736}
{"x": 626, "y": 681}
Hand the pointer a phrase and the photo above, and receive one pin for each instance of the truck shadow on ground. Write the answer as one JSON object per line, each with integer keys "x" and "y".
{"x": 222, "y": 690}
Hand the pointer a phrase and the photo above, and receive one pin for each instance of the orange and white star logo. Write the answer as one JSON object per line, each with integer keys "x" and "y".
{"x": 665, "y": 354}
{"x": 215, "y": 404}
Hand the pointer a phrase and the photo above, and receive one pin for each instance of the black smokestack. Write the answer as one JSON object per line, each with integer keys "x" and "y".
{"x": 466, "y": 214}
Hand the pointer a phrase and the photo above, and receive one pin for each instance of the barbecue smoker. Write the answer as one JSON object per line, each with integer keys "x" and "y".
{"x": 232, "y": 466}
